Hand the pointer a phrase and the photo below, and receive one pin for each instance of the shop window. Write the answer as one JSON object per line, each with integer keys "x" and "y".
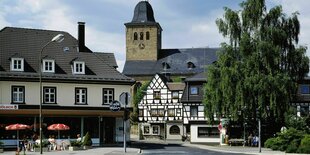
{"x": 208, "y": 132}
{"x": 17, "y": 64}
{"x": 194, "y": 111}
{"x": 135, "y": 36}
{"x": 80, "y": 95}
{"x": 49, "y": 95}
{"x": 18, "y": 94}
{"x": 155, "y": 129}
{"x": 146, "y": 130}
{"x": 147, "y": 35}
{"x": 108, "y": 95}
{"x": 193, "y": 90}
{"x": 174, "y": 130}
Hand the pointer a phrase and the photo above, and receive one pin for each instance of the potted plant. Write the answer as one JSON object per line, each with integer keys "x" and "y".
{"x": 87, "y": 143}
{"x": 75, "y": 145}
{"x": 44, "y": 146}
{"x": 1, "y": 147}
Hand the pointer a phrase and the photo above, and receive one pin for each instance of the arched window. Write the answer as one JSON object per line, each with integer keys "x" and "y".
{"x": 190, "y": 65}
{"x": 141, "y": 35}
{"x": 135, "y": 36}
{"x": 147, "y": 35}
{"x": 174, "y": 130}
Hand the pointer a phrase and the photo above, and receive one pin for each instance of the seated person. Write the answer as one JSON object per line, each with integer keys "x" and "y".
{"x": 79, "y": 139}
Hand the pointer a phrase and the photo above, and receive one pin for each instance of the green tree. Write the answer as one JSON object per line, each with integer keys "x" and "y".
{"x": 258, "y": 69}
{"x": 138, "y": 96}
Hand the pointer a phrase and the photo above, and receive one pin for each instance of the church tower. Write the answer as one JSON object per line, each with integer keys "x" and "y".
{"x": 143, "y": 34}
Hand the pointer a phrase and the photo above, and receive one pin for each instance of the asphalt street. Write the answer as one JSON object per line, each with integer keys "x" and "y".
{"x": 176, "y": 149}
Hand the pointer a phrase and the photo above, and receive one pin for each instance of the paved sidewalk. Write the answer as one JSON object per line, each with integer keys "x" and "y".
{"x": 93, "y": 151}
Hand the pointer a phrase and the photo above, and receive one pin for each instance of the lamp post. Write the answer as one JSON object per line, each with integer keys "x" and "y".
{"x": 58, "y": 38}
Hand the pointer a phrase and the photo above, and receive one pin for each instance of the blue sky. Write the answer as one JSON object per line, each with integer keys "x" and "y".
{"x": 185, "y": 23}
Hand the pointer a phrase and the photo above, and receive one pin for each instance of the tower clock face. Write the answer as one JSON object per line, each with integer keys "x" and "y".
{"x": 141, "y": 46}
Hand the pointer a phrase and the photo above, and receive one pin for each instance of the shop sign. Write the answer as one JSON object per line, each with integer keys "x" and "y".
{"x": 115, "y": 106}
{"x": 8, "y": 107}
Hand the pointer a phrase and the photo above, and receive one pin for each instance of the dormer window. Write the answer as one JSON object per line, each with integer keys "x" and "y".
{"x": 49, "y": 66}
{"x": 190, "y": 65}
{"x": 17, "y": 64}
{"x": 165, "y": 65}
{"x": 78, "y": 67}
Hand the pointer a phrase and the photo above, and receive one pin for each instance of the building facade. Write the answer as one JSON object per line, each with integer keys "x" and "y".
{"x": 302, "y": 99}
{"x": 160, "y": 110}
{"x": 78, "y": 86}
{"x": 194, "y": 119}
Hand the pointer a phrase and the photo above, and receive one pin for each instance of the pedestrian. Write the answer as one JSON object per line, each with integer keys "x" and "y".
{"x": 250, "y": 138}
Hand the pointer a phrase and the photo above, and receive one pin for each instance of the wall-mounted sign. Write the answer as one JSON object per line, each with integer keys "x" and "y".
{"x": 115, "y": 105}
{"x": 8, "y": 107}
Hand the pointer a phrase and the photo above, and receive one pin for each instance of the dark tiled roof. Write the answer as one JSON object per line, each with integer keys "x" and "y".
{"x": 198, "y": 77}
{"x": 175, "y": 86}
{"x": 177, "y": 59}
{"x": 27, "y": 43}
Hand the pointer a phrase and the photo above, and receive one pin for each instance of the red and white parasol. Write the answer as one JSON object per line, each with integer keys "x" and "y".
{"x": 58, "y": 127}
{"x": 17, "y": 127}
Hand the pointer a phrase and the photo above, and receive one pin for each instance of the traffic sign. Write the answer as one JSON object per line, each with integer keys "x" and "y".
{"x": 122, "y": 98}
{"x": 115, "y": 105}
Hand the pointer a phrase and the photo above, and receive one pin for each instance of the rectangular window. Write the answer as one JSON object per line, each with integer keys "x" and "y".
{"x": 78, "y": 67}
{"x": 161, "y": 112}
{"x": 18, "y": 94}
{"x": 146, "y": 130}
{"x": 155, "y": 130}
{"x": 17, "y": 64}
{"x": 48, "y": 66}
{"x": 154, "y": 112}
{"x": 178, "y": 111}
{"x": 80, "y": 95}
{"x": 208, "y": 132}
{"x": 175, "y": 94}
{"x": 108, "y": 95}
{"x": 305, "y": 89}
{"x": 49, "y": 95}
{"x": 193, "y": 90}
{"x": 141, "y": 113}
{"x": 171, "y": 112}
{"x": 156, "y": 95}
{"x": 194, "y": 111}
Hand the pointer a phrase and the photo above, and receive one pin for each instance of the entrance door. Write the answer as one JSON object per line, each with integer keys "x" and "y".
{"x": 109, "y": 130}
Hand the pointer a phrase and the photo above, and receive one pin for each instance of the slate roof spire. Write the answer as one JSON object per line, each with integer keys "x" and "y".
{"x": 143, "y": 13}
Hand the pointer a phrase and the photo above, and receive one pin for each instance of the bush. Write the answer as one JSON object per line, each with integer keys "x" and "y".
{"x": 87, "y": 140}
{"x": 288, "y": 141}
{"x": 305, "y": 145}
{"x": 76, "y": 143}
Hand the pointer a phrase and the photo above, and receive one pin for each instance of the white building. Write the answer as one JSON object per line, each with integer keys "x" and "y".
{"x": 77, "y": 86}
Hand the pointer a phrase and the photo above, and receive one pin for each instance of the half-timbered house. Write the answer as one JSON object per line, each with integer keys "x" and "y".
{"x": 160, "y": 110}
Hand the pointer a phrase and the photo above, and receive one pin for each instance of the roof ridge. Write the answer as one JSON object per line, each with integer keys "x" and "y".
{"x": 32, "y": 29}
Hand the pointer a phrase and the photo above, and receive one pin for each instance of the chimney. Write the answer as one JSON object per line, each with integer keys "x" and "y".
{"x": 81, "y": 36}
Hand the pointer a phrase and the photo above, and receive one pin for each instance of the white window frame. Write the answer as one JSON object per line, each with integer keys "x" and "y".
{"x": 77, "y": 69}
{"x": 109, "y": 94}
{"x": 15, "y": 67}
{"x": 51, "y": 95}
{"x": 51, "y": 66}
{"x": 79, "y": 96}
{"x": 19, "y": 94}
{"x": 158, "y": 128}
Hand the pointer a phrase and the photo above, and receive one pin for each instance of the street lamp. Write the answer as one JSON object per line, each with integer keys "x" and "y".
{"x": 58, "y": 38}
